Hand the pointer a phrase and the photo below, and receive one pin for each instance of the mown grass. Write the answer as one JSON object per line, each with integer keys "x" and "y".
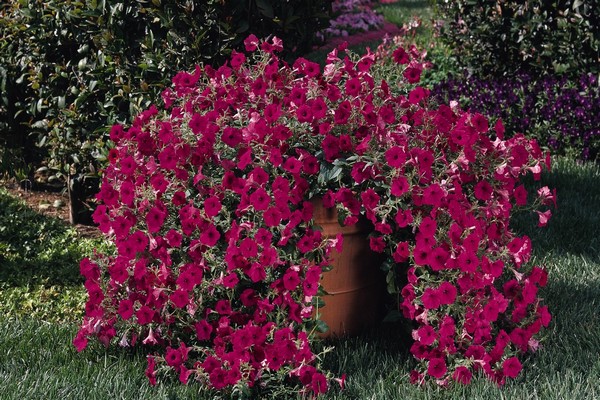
{"x": 41, "y": 296}
{"x": 39, "y": 264}
{"x": 37, "y": 359}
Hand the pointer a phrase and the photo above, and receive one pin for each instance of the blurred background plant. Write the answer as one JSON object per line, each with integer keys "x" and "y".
{"x": 351, "y": 17}
{"x": 500, "y": 37}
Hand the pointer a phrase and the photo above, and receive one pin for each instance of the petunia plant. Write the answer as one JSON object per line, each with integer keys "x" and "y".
{"x": 217, "y": 259}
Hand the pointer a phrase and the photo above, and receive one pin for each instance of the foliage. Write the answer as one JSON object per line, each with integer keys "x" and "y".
{"x": 39, "y": 256}
{"x": 70, "y": 70}
{"x": 296, "y": 22}
{"x": 217, "y": 258}
{"x": 496, "y": 38}
{"x": 73, "y": 67}
{"x": 563, "y": 114}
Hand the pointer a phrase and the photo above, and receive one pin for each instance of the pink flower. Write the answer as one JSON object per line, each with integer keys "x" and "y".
{"x": 431, "y": 299}
{"x": 426, "y": 335}
{"x": 251, "y": 43}
{"x": 126, "y": 309}
{"x": 437, "y": 368}
{"x": 483, "y": 191}
{"x": 543, "y": 218}
{"x": 210, "y": 236}
{"x": 80, "y": 341}
{"x": 150, "y": 372}
{"x": 412, "y": 74}
{"x": 203, "y": 330}
{"x": 480, "y": 123}
{"x": 145, "y": 315}
{"x": 399, "y": 186}
{"x": 437, "y": 258}
{"x": 377, "y": 244}
{"x": 400, "y": 56}
{"x": 402, "y": 252}
{"x": 291, "y": 280}
{"x": 447, "y": 293}
{"x": 259, "y": 199}
{"x": 180, "y": 298}
{"x": 511, "y": 367}
{"x": 462, "y": 375}
{"x": 173, "y": 357}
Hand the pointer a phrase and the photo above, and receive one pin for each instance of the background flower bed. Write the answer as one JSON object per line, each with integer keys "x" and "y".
{"x": 351, "y": 17}
{"x": 562, "y": 113}
{"x": 534, "y": 65}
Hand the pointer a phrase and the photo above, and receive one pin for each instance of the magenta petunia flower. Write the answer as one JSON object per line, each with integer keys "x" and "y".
{"x": 437, "y": 368}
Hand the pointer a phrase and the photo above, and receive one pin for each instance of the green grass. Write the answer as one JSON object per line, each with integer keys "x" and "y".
{"x": 39, "y": 264}
{"x": 38, "y": 361}
{"x": 402, "y": 12}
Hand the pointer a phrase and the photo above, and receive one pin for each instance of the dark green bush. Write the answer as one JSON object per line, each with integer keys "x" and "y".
{"x": 493, "y": 37}
{"x": 296, "y": 22}
{"x": 70, "y": 69}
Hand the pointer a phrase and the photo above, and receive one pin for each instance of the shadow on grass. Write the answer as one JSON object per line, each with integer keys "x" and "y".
{"x": 574, "y": 226}
{"x": 35, "y": 248}
{"x": 572, "y": 340}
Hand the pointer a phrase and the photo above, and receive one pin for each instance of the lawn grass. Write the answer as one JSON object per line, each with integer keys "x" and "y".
{"x": 37, "y": 359}
{"x": 41, "y": 292}
{"x": 39, "y": 264}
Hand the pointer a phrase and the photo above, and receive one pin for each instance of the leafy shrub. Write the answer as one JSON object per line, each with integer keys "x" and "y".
{"x": 499, "y": 37}
{"x": 71, "y": 69}
{"x": 562, "y": 114}
{"x": 217, "y": 258}
{"x": 296, "y": 22}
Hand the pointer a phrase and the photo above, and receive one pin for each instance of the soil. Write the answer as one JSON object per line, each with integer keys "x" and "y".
{"x": 49, "y": 201}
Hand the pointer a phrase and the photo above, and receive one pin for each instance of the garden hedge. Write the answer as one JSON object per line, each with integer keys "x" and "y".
{"x": 497, "y": 37}
{"x": 70, "y": 69}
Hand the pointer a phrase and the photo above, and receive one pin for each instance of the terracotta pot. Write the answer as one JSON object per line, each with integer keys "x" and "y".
{"x": 355, "y": 286}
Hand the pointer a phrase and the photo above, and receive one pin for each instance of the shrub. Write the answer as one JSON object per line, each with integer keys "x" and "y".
{"x": 70, "y": 70}
{"x": 494, "y": 38}
{"x": 217, "y": 258}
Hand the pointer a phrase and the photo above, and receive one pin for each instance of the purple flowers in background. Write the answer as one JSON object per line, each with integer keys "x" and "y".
{"x": 352, "y": 16}
{"x": 562, "y": 113}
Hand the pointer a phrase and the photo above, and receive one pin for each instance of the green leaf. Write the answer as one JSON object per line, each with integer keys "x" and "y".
{"x": 393, "y": 316}
{"x": 265, "y": 8}
{"x": 322, "y": 326}
{"x": 82, "y": 64}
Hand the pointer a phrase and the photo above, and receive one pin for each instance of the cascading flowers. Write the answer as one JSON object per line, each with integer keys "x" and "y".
{"x": 217, "y": 260}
